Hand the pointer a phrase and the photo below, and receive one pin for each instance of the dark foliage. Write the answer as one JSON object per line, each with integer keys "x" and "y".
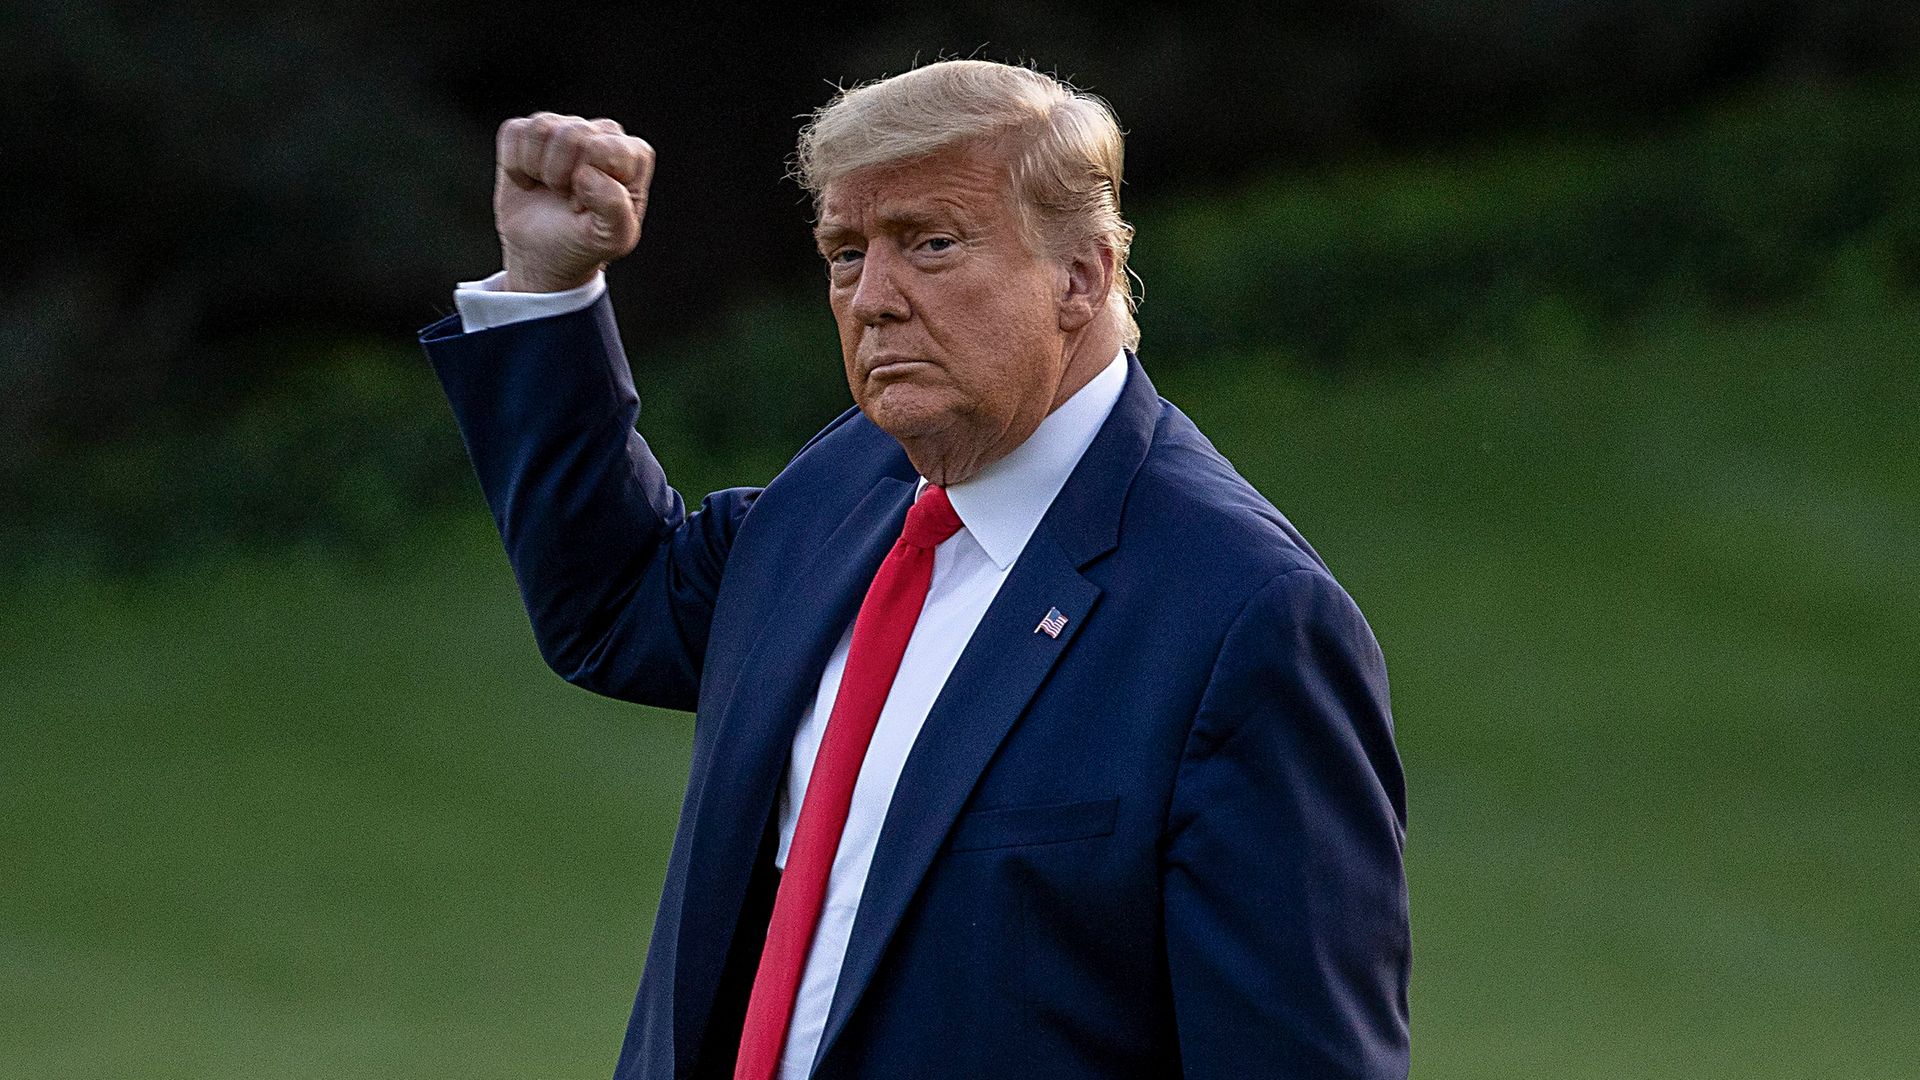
{"x": 204, "y": 206}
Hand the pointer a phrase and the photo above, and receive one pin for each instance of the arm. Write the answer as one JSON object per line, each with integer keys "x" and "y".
{"x": 618, "y": 580}
{"x": 1285, "y": 901}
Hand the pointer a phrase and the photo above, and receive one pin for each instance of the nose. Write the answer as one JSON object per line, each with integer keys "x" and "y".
{"x": 877, "y": 296}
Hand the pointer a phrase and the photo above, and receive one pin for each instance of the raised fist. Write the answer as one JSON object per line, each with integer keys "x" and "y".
{"x": 568, "y": 197}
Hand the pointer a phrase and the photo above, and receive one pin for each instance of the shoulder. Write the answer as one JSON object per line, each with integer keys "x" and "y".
{"x": 1189, "y": 506}
{"x": 1291, "y": 641}
{"x": 1210, "y": 560}
{"x": 837, "y": 467}
{"x": 849, "y": 450}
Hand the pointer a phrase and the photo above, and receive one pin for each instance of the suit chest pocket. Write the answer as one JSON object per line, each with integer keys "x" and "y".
{"x": 1017, "y": 826}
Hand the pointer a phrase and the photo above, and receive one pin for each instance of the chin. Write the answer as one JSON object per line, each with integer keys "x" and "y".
{"x": 906, "y": 412}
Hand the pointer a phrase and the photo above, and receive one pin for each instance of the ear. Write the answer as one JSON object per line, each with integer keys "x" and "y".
{"x": 1086, "y": 279}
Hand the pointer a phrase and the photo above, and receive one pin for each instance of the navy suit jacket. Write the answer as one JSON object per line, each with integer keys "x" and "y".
{"x": 1166, "y": 842}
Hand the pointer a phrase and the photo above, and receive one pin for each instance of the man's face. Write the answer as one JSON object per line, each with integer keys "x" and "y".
{"x": 949, "y": 325}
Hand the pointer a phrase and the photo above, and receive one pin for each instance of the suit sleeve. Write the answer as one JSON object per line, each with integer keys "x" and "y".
{"x": 1285, "y": 900}
{"x": 618, "y": 579}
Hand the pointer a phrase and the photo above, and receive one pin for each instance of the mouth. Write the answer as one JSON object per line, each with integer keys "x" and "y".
{"x": 888, "y": 367}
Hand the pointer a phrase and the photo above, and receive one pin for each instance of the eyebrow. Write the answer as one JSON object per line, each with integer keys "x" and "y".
{"x": 825, "y": 233}
{"x": 893, "y": 221}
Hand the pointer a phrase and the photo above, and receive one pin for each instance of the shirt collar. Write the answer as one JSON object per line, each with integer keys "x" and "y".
{"x": 1003, "y": 503}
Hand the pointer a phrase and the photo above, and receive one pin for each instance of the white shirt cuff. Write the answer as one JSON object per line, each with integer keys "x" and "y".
{"x": 486, "y": 303}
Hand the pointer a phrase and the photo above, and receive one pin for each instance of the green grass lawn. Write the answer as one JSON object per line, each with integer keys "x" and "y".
{"x": 1651, "y": 609}
{"x": 1652, "y": 619}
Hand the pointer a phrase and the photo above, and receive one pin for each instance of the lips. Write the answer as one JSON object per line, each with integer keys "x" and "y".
{"x": 882, "y": 366}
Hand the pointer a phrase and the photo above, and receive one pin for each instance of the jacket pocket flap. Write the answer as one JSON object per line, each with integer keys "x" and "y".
{"x": 1016, "y": 825}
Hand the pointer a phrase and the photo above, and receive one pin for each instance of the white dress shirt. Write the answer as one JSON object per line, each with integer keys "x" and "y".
{"x": 999, "y": 508}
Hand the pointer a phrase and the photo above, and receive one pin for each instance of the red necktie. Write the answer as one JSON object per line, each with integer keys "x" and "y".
{"x": 880, "y": 634}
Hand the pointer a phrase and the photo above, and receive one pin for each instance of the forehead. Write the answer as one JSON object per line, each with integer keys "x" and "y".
{"x": 968, "y": 185}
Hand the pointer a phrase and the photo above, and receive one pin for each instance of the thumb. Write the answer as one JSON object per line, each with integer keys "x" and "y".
{"x": 616, "y": 221}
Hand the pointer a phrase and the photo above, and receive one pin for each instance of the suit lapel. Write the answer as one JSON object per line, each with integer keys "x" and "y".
{"x": 751, "y": 746}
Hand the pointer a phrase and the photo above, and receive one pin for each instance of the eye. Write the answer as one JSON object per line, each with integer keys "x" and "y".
{"x": 937, "y": 244}
{"x": 844, "y": 256}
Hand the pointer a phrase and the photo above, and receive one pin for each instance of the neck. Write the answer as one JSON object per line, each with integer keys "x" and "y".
{"x": 1088, "y": 354}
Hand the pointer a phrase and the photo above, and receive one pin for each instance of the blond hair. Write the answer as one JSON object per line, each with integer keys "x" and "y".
{"x": 1064, "y": 144}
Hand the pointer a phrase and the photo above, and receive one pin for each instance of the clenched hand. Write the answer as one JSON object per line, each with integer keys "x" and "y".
{"x": 568, "y": 198}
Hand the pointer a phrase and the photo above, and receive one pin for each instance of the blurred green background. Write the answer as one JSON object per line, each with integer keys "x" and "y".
{"x": 1585, "y": 347}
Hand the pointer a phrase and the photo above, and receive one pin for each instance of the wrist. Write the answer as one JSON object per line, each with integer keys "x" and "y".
{"x": 530, "y": 277}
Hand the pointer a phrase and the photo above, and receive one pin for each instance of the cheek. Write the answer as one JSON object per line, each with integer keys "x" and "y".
{"x": 837, "y": 304}
{"x": 1012, "y": 334}
{"x": 987, "y": 312}
{"x": 848, "y": 330}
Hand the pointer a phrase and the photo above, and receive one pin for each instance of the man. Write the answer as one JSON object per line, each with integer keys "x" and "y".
{"x": 1030, "y": 740}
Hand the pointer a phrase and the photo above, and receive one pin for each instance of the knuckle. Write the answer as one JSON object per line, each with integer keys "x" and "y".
{"x": 573, "y": 136}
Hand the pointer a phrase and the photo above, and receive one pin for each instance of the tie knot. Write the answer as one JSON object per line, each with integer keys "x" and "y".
{"x": 930, "y": 520}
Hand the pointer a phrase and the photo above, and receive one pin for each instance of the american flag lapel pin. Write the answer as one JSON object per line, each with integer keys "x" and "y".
{"x": 1052, "y": 624}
